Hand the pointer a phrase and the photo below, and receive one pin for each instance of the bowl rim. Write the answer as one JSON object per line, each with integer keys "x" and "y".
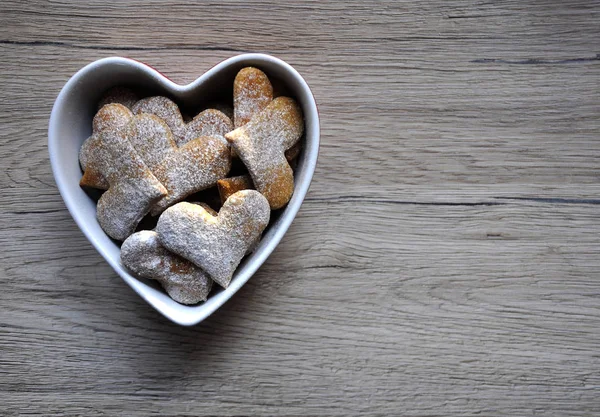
{"x": 204, "y": 310}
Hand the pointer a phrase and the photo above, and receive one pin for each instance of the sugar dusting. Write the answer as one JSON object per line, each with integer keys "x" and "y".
{"x": 164, "y": 108}
{"x": 210, "y": 122}
{"x": 215, "y": 244}
{"x": 184, "y": 170}
{"x": 261, "y": 145}
{"x": 133, "y": 189}
{"x": 252, "y": 93}
{"x": 195, "y": 166}
{"x": 151, "y": 138}
{"x": 229, "y": 186}
{"x": 226, "y": 109}
{"x": 121, "y": 95}
{"x": 143, "y": 255}
{"x": 208, "y": 208}
{"x": 110, "y": 117}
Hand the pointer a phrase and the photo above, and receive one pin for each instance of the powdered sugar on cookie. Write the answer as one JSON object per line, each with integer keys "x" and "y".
{"x": 120, "y": 95}
{"x": 143, "y": 255}
{"x": 133, "y": 189}
{"x": 216, "y": 244}
{"x": 252, "y": 92}
{"x": 184, "y": 170}
{"x": 111, "y": 117}
{"x": 210, "y": 122}
{"x": 261, "y": 145}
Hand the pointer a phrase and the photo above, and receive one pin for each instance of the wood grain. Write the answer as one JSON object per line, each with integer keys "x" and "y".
{"x": 445, "y": 261}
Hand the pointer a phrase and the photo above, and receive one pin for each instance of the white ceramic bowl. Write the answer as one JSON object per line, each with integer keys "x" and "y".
{"x": 70, "y": 125}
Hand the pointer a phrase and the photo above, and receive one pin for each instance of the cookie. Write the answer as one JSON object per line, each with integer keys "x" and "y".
{"x": 121, "y": 95}
{"x": 210, "y": 197}
{"x": 132, "y": 188}
{"x": 226, "y": 109}
{"x": 229, "y": 186}
{"x": 143, "y": 255}
{"x": 110, "y": 117}
{"x": 208, "y": 208}
{"x": 261, "y": 145}
{"x": 252, "y": 93}
{"x": 210, "y": 122}
{"x": 216, "y": 244}
{"x": 184, "y": 170}
{"x": 292, "y": 153}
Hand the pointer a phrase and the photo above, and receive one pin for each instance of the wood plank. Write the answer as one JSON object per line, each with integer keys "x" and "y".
{"x": 494, "y": 307}
{"x": 517, "y": 135}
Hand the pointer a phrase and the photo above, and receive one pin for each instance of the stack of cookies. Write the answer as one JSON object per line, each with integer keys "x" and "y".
{"x": 153, "y": 166}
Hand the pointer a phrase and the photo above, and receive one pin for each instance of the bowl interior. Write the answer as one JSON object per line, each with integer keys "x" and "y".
{"x": 70, "y": 125}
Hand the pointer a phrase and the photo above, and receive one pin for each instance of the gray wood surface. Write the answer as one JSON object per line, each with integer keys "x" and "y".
{"x": 446, "y": 261}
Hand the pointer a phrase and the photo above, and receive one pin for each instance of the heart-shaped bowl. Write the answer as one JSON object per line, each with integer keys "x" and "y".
{"x": 71, "y": 122}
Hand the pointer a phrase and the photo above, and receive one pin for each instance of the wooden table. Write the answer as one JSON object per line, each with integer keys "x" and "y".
{"x": 446, "y": 261}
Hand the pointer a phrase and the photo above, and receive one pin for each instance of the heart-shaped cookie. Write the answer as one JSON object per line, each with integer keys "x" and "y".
{"x": 132, "y": 187}
{"x": 113, "y": 116}
{"x": 183, "y": 170}
{"x": 261, "y": 144}
{"x": 210, "y": 122}
{"x": 216, "y": 244}
{"x": 70, "y": 125}
{"x": 143, "y": 254}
